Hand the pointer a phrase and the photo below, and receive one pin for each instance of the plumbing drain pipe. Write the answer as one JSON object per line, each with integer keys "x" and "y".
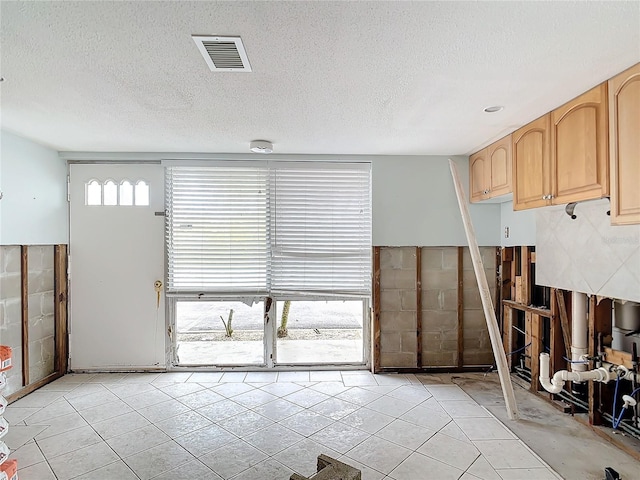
{"x": 579, "y": 329}
{"x": 601, "y": 374}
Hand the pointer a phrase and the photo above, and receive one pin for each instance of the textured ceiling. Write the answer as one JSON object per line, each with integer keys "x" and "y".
{"x": 328, "y": 77}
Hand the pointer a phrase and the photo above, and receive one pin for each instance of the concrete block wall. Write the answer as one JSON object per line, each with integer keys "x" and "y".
{"x": 398, "y": 307}
{"x": 439, "y": 306}
{"x": 439, "y": 312}
{"x": 476, "y": 342}
{"x": 41, "y": 312}
{"x": 11, "y": 312}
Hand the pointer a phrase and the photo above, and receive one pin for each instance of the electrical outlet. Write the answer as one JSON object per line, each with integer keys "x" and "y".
{"x": 506, "y": 232}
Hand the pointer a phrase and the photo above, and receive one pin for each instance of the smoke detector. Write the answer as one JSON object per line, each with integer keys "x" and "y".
{"x": 223, "y": 54}
{"x": 261, "y": 146}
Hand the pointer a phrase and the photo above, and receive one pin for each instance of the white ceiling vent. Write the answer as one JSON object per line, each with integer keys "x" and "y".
{"x": 223, "y": 54}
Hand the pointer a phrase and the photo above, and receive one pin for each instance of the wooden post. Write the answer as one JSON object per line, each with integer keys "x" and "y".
{"x": 599, "y": 326}
{"x": 514, "y": 272}
{"x": 419, "y": 306}
{"x": 509, "y": 335}
{"x": 525, "y": 274}
{"x": 564, "y": 321}
{"x": 556, "y": 342}
{"x": 536, "y": 349}
{"x": 460, "y": 310}
{"x": 24, "y": 272}
{"x": 375, "y": 336}
{"x": 528, "y": 330}
{"x": 485, "y": 295}
{"x": 60, "y": 296}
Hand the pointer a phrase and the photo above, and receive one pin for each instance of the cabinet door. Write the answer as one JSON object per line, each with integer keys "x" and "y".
{"x": 579, "y": 148}
{"x": 499, "y": 156}
{"x": 531, "y": 165}
{"x": 624, "y": 124}
{"x": 478, "y": 167}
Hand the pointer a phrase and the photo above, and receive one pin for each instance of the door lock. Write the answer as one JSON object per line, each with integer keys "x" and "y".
{"x": 157, "y": 285}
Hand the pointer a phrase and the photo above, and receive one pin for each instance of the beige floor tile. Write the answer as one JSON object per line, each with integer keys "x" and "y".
{"x": 158, "y": 460}
{"x": 82, "y": 460}
{"x": 379, "y": 454}
{"x": 114, "y": 471}
{"x": 416, "y": 466}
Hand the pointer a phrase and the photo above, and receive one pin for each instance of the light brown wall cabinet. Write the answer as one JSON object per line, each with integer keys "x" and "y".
{"x": 562, "y": 157}
{"x": 579, "y": 148}
{"x": 490, "y": 170}
{"x": 532, "y": 164}
{"x": 624, "y": 138}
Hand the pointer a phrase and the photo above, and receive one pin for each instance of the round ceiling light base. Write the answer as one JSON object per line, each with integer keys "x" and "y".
{"x": 261, "y": 146}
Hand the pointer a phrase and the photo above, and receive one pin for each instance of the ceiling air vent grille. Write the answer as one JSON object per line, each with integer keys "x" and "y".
{"x": 223, "y": 54}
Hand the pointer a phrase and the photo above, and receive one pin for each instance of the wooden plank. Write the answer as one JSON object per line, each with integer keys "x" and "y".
{"x": 24, "y": 273}
{"x": 525, "y": 273}
{"x": 33, "y": 387}
{"x": 514, "y": 274}
{"x": 556, "y": 342}
{"x": 536, "y": 349}
{"x": 460, "y": 309}
{"x": 519, "y": 298}
{"x": 528, "y": 337}
{"x": 485, "y": 295}
{"x": 375, "y": 337}
{"x": 419, "y": 306}
{"x": 618, "y": 357}
{"x": 509, "y": 336}
{"x": 564, "y": 321}
{"x": 507, "y": 254}
{"x": 543, "y": 312}
{"x": 60, "y": 312}
{"x": 599, "y": 327}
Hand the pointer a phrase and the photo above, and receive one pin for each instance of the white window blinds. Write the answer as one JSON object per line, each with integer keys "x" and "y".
{"x": 217, "y": 229}
{"x": 275, "y": 228}
{"x": 321, "y": 229}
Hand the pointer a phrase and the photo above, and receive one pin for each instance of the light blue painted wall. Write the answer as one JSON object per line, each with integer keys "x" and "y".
{"x": 414, "y": 203}
{"x": 33, "y": 180}
{"x": 522, "y": 226}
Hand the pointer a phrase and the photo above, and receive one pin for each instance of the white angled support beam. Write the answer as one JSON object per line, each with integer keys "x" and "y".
{"x": 487, "y": 303}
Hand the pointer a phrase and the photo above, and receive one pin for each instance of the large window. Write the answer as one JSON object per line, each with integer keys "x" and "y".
{"x": 295, "y": 232}
{"x": 275, "y": 229}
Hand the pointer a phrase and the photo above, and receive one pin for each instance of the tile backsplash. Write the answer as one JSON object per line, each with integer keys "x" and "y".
{"x": 587, "y": 254}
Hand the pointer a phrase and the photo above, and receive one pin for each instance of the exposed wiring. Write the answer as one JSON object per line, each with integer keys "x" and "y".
{"x": 614, "y": 423}
{"x": 519, "y": 349}
{"x": 576, "y": 361}
{"x": 616, "y": 420}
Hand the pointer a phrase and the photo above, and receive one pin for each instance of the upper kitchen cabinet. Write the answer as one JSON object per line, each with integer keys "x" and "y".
{"x": 532, "y": 164}
{"x": 624, "y": 140}
{"x": 579, "y": 148}
{"x": 499, "y": 155}
{"x": 490, "y": 170}
{"x": 478, "y": 166}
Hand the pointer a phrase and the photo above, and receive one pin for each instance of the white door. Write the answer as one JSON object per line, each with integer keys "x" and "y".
{"x": 117, "y": 254}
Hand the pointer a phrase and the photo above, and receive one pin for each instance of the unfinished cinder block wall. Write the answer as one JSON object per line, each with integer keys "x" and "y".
{"x": 430, "y": 314}
{"x": 398, "y": 307}
{"x": 476, "y": 342}
{"x": 41, "y": 312}
{"x": 11, "y": 312}
{"x": 439, "y": 306}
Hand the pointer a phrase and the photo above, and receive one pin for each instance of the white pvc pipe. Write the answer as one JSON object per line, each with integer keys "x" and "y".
{"x": 556, "y": 384}
{"x": 579, "y": 329}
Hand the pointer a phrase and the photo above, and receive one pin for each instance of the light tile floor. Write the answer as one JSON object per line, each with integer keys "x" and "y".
{"x": 260, "y": 426}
